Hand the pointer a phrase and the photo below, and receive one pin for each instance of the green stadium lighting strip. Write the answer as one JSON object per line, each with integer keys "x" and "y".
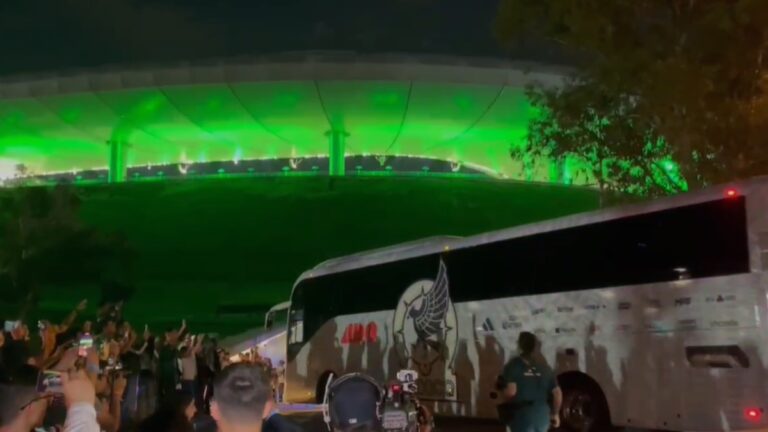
{"x": 451, "y": 109}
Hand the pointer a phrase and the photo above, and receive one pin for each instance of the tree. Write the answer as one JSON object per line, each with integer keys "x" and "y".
{"x": 43, "y": 241}
{"x": 669, "y": 94}
{"x": 579, "y": 128}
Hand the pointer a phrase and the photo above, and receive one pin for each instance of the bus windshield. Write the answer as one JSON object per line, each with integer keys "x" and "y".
{"x": 277, "y": 316}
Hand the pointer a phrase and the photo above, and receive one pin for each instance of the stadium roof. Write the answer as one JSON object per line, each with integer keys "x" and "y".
{"x": 461, "y": 110}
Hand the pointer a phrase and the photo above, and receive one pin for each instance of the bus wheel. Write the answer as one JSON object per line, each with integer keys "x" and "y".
{"x": 584, "y": 406}
{"x": 322, "y": 384}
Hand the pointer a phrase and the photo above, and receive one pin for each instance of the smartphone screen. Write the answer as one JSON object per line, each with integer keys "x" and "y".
{"x": 85, "y": 343}
{"x": 11, "y": 325}
{"x": 49, "y": 382}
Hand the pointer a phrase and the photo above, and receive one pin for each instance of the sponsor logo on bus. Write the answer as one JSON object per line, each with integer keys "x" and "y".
{"x": 565, "y": 330}
{"x": 511, "y": 325}
{"x": 359, "y": 334}
{"x": 538, "y": 311}
{"x": 657, "y": 327}
{"x": 594, "y": 307}
{"x": 687, "y": 324}
{"x": 682, "y": 301}
{"x": 721, "y": 298}
{"x": 564, "y": 309}
{"x": 724, "y": 323}
{"x": 425, "y": 327}
{"x": 625, "y": 305}
{"x": 654, "y": 303}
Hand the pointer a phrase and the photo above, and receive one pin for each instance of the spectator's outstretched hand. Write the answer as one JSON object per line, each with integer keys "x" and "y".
{"x": 82, "y": 305}
{"x": 78, "y": 388}
{"x": 67, "y": 361}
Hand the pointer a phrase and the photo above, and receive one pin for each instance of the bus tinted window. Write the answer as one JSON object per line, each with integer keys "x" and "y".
{"x": 697, "y": 241}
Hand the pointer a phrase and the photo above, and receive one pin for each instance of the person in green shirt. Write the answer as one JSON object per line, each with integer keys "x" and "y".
{"x": 530, "y": 385}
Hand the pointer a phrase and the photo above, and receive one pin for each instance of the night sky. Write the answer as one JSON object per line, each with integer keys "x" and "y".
{"x": 56, "y": 35}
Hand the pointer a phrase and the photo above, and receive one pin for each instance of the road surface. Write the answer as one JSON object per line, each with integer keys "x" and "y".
{"x": 312, "y": 421}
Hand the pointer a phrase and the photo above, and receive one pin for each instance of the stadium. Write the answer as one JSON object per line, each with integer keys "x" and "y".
{"x": 319, "y": 108}
{"x": 264, "y": 167}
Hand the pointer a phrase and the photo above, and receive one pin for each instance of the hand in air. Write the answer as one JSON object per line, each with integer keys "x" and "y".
{"x": 77, "y": 388}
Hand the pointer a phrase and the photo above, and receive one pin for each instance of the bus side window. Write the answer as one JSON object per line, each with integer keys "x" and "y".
{"x": 296, "y": 327}
{"x": 297, "y": 332}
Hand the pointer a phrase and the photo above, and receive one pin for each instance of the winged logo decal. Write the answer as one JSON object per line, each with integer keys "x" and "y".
{"x": 425, "y": 323}
{"x": 429, "y": 317}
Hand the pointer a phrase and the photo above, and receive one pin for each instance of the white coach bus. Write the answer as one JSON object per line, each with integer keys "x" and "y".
{"x": 652, "y": 315}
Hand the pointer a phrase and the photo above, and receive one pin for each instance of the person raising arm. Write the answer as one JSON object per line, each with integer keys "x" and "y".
{"x": 80, "y": 397}
{"x": 50, "y": 331}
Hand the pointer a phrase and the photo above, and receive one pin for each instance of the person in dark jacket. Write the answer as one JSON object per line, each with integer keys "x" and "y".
{"x": 531, "y": 387}
{"x": 175, "y": 415}
{"x": 168, "y": 369}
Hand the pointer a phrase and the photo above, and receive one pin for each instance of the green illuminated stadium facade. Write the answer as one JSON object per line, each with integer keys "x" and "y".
{"x": 321, "y": 106}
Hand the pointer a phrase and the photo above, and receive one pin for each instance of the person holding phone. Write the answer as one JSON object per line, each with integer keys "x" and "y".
{"x": 106, "y": 339}
{"x": 49, "y": 332}
{"x": 168, "y": 356}
{"x": 16, "y": 349}
{"x": 147, "y": 375}
{"x": 23, "y": 408}
{"x": 188, "y": 356}
{"x": 80, "y": 397}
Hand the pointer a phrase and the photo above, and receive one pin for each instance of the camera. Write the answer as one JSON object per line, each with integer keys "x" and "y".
{"x": 402, "y": 410}
{"x": 407, "y": 379}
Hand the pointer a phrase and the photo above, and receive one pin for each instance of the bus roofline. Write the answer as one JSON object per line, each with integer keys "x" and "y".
{"x": 385, "y": 250}
{"x": 394, "y": 252}
{"x": 279, "y": 306}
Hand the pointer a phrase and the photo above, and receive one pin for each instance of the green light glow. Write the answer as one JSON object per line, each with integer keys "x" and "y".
{"x": 117, "y": 161}
{"x": 238, "y": 155}
{"x": 474, "y": 124}
{"x": 336, "y": 149}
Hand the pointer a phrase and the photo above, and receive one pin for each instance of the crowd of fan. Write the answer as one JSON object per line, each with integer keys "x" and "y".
{"x": 115, "y": 378}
